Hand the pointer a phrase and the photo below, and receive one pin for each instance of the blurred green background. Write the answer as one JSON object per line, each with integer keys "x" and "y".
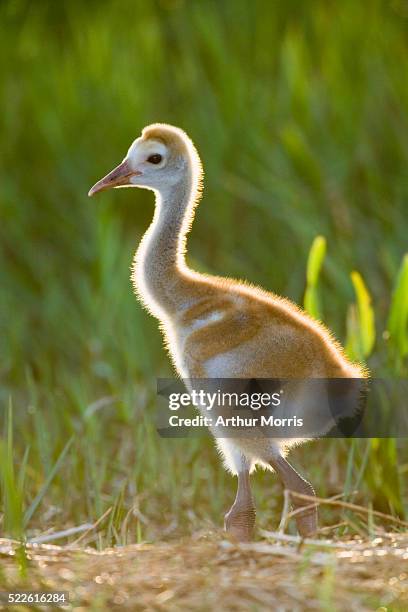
{"x": 299, "y": 111}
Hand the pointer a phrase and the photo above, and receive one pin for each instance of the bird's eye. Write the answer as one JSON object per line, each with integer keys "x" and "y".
{"x": 155, "y": 159}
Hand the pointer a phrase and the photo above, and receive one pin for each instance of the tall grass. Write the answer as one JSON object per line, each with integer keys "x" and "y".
{"x": 379, "y": 464}
{"x": 301, "y": 123}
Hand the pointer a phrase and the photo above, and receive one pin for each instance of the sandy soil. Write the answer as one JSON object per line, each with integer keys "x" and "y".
{"x": 210, "y": 572}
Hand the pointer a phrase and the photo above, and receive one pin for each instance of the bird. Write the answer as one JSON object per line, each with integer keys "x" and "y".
{"x": 216, "y": 327}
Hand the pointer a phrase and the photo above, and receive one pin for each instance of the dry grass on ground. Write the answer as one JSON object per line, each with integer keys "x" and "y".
{"x": 210, "y": 572}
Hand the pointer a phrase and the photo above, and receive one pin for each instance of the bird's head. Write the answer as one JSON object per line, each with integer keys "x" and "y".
{"x": 157, "y": 160}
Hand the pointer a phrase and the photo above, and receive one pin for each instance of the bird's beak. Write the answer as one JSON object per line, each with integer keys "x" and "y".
{"x": 119, "y": 176}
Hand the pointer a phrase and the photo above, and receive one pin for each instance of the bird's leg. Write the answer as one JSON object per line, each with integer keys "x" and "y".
{"x": 240, "y": 520}
{"x": 306, "y": 521}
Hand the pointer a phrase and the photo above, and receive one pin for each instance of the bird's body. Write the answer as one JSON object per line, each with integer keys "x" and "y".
{"x": 217, "y": 327}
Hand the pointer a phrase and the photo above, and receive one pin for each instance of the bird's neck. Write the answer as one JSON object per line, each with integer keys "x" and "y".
{"x": 160, "y": 266}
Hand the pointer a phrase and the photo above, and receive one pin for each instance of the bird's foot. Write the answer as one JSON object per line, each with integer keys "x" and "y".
{"x": 306, "y": 523}
{"x": 239, "y": 522}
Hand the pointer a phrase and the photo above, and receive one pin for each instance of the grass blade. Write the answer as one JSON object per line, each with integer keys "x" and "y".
{"x": 11, "y": 492}
{"x": 38, "y": 498}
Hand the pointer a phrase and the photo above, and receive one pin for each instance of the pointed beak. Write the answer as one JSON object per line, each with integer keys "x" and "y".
{"x": 119, "y": 176}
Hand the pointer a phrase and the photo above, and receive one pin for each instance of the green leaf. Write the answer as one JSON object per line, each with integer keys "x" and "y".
{"x": 315, "y": 260}
{"x": 314, "y": 265}
{"x": 398, "y": 318}
{"x": 366, "y": 321}
{"x": 352, "y": 347}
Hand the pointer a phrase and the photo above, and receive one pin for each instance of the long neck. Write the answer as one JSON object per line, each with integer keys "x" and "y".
{"x": 159, "y": 261}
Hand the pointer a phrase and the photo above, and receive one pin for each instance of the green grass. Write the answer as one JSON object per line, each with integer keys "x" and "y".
{"x": 300, "y": 114}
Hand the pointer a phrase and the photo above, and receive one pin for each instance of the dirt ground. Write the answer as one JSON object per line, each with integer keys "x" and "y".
{"x": 210, "y": 572}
